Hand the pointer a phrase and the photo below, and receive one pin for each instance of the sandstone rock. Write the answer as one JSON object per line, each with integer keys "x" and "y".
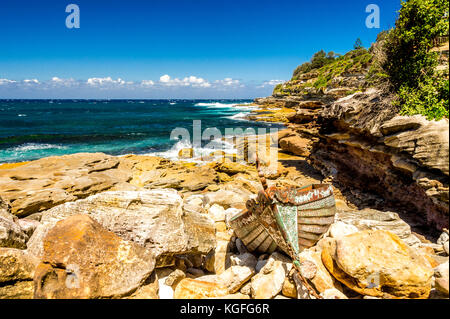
{"x": 217, "y": 213}
{"x": 16, "y": 265}
{"x": 332, "y": 293}
{"x": 197, "y": 289}
{"x": 16, "y": 274}
{"x": 148, "y": 290}
{"x": 441, "y": 278}
{"x": 18, "y": 290}
{"x": 28, "y": 226}
{"x": 45, "y": 183}
{"x": 269, "y": 281}
{"x": 296, "y": 145}
{"x": 339, "y": 229}
{"x": 11, "y": 235}
{"x": 246, "y": 289}
{"x": 81, "y": 259}
{"x": 320, "y": 277}
{"x": 289, "y": 288}
{"x": 227, "y": 198}
{"x": 378, "y": 263}
{"x": 374, "y": 219}
{"x": 234, "y": 277}
{"x": 426, "y": 141}
{"x": 218, "y": 259}
{"x": 175, "y": 277}
{"x": 150, "y": 218}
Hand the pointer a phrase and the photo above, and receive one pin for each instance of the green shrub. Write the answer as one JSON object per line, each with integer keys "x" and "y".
{"x": 410, "y": 64}
{"x": 430, "y": 98}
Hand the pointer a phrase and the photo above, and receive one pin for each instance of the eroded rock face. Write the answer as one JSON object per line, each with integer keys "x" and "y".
{"x": 11, "y": 234}
{"x": 81, "y": 259}
{"x": 150, "y": 218}
{"x": 16, "y": 274}
{"x": 48, "y": 182}
{"x": 378, "y": 263}
{"x": 366, "y": 146}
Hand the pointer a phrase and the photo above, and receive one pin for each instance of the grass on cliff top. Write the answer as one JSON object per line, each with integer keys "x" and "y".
{"x": 354, "y": 62}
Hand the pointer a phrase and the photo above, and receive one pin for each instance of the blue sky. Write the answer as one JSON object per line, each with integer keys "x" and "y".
{"x": 171, "y": 48}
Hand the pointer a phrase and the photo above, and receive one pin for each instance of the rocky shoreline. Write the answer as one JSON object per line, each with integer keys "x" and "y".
{"x": 91, "y": 225}
{"x": 72, "y": 226}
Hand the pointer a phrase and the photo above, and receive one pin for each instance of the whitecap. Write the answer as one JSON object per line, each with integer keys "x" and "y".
{"x": 35, "y": 146}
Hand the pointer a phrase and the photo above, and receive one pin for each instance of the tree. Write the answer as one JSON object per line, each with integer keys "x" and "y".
{"x": 358, "y": 44}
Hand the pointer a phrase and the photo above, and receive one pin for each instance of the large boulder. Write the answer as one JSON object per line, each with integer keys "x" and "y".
{"x": 81, "y": 259}
{"x": 296, "y": 145}
{"x": 48, "y": 182}
{"x": 375, "y": 219}
{"x": 378, "y": 263}
{"x": 151, "y": 218}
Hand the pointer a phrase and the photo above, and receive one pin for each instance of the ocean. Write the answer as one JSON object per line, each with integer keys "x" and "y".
{"x": 32, "y": 129}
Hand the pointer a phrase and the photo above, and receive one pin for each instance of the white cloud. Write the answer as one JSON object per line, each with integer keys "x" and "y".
{"x": 229, "y": 82}
{"x": 6, "y": 81}
{"x": 107, "y": 81}
{"x": 165, "y": 78}
{"x": 32, "y": 81}
{"x": 147, "y": 83}
{"x": 187, "y": 81}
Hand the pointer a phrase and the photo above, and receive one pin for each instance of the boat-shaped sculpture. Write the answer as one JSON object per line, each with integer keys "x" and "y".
{"x": 291, "y": 218}
{"x": 296, "y": 218}
{"x": 254, "y": 236}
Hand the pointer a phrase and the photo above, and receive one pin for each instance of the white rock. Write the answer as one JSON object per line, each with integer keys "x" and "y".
{"x": 340, "y": 229}
{"x": 235, "y": 277}
{"x": 443, "y": 238}
{"x": 269, "y": 281}
{"x": 165, "y": 291}
{"x": 441, "y": 278}
{"x": 217, "y": 213}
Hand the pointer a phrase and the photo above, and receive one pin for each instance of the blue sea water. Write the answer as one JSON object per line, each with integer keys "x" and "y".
{"x": 32, "y": 129}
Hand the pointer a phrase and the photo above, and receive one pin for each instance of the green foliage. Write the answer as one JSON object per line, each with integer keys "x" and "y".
{"x": 430, "y": 98}
{"x": 409, "y": 62}
{"x": 318, "y": 60}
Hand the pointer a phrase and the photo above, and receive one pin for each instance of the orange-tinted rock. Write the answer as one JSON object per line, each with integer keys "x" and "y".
{"x": 83, "y": 260}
